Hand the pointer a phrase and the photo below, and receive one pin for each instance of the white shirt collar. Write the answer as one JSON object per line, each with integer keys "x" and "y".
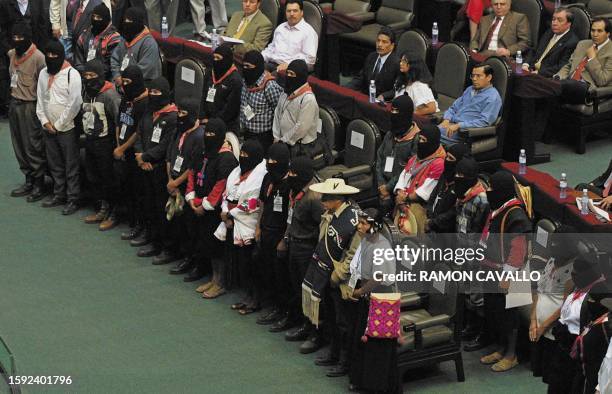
{"x": 602, "y": 45}
{"x": 250, "y": 17}
{"x": 558, "y": 36}
{"x": 297, "y": 26}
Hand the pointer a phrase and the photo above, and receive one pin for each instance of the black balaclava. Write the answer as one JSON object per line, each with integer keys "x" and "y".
{"x": 213, "y": 143}
{"x": 22, "y": 30}
{"x": 93, "y": 85}
{"x": 502, "y": 184}
{"x": 303, "y": 167}
{"x": 402, "y": 109}
{"x": 432, "y": 134}
{"x": 103, "y": 12}
{"x": 374, "y": 217}
{"x": 54, "y": 65}
{"x": 584, "y": 272}
{"x": 256, "y": 153}
{"x": 468, "y": 167}
{"x": 129, "y": 30}
{"x": 158, "y": 102}
{"x": 184, "y": 123}
{"x": 563, "y": 244}
{"x": 458, "y": 151}
{"x": 137, "y": 86}
{"x": 279, "y": 152}
{"x": 300, "y": 69}
{"x": 251, "y": 75}
{"x": 220, "y": 67}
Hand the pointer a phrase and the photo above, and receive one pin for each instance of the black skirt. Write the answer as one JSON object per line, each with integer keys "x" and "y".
{"x": 542, "y": 359}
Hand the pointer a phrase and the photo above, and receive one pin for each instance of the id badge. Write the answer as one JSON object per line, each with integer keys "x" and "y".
{"x": 178, "y": 163}
{"x": 88, "y": 120}
{"x": 91, "y": 54}
{"x": 156, "y": 134}
{"x": 14, "y": 79}
{"x": 289, "y": 215}
{"x": 248, "y": 112}
{"x": 125, "y": 62}
{"x": 122, "y": 131}
{"x": 389, "y": 164}
{"x": 210, "y": 97}
{"x": 462, "y": 222}
{"x": 278, "y": 204}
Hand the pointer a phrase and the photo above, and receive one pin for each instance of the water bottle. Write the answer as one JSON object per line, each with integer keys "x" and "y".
{"x": 372, "y": 91}
{"x": 214, "y": 39}
{"x": 164, "y": 27}
{"x": 522, "y": 162}
{"x": 584, "y": 202}
{"x": 557, "y": 4}
{"x": 519, "y": 62}
{"x": 434, "y": 33}
{"x": 563, "y": 186}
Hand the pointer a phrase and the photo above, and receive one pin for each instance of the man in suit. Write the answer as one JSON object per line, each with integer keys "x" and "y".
{"x": 602, "y": 185}
{"x": 556, "y": 46}
{"x": 503, "y": 33}
{"x": 381, "y": 66}
{"x": 251, "y": 26}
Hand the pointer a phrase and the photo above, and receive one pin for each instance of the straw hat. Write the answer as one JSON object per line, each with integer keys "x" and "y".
{"x": 333, "y": 186}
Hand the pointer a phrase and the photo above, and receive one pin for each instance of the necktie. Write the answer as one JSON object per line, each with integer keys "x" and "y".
{"x": 78, "y": 14}
{"x": 241, "y": 28}
{"x": 490, "y": 33}
{"x": 550, "y": 45}
{"x": 581, "y": 66}
{"x": 376, "y": 68}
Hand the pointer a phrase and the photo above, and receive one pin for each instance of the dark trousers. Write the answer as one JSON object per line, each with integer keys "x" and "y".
{"x": 99, "y": 168}
{"x": 339, "y": 315}
{"x": 176, "y": 231}
{"x": 131, "y": 196}
{"x": 63, "y": 159}
{"x": 204, "y": 245}
{"x": 300, "y": 254}
{"x": 156, "y": 196}
{"x": 499, "y": 321}
{"x": 272, "y": 273}
{"x": 265, "y": 139}
{"x": 27, "y": 138}
{"x": 242, "y": 256}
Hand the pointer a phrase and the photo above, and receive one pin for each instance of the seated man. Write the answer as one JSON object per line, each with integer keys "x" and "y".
{"x": 556, "y": 46}
{"x": 478, "y": 106}
{"x": 503, "y": 33}
{"x": 381, "y": 66}
{"x": 602, "y": 185}
{"x": 251, "y": 26}
{"x": 294, "y": 39}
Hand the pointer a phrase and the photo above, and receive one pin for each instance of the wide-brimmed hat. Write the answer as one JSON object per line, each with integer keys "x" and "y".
{"x": 334, "y": 186}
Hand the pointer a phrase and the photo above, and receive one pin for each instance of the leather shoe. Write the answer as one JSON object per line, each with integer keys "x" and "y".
{"x": 182, "y": 267}
{"x": 148, "y": 251}
{"x": 22, "y": 190}
{"x": 478, "y": 343}
{"x": 312, "y": 344}
{"x": 38, "y": 193}
{"x": 283, "y": 324}
{"x": 269, "y": 317}
{"x": 142, "y": 240}
{"x": 132, "y": 233}
{"x": 164, "y": 257}
{"x": 54, "y": 202}
{"x": 298, "y": 334}
{"x": 110, "y": 222}
{"x": 326, "y": 360}
{"x": 196, "y": 273}
{"x": 70, "y": 208}
{"x": 339, "y": 370}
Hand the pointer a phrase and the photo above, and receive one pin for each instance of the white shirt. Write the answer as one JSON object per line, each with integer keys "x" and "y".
{"x": 420, "y": 93}
{"x": 60, "y": 104}
{"x": 570, "y": 313}
{"x": 604, "y": 383}
{"x": 382, "y": 59}
{"x": 493, "y": 44}
{"x": 293, "y": 42}
{"x": 23, "y": 6}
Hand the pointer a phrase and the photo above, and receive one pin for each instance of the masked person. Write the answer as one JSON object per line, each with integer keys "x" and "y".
{"x": 97, "y": 42}
{"x": 303, "y": 219}
{"x": 417, "y": 181}
{"x": 99, "y": 113}
{"x": 240, "y": 213}
{"x": 26, "y": 62}
{"x": 130, "y": 201}
{"x": 138, "y": 48}
{"x": 157, "y": 131}
{"x": 272, "y": 273}
{"x": 297, "y": 113}
{"x": 205, "y": 185}
{"x": 58, "y": 104}
{"x": 259, "y": 98}
{"x": 396, "y": 148}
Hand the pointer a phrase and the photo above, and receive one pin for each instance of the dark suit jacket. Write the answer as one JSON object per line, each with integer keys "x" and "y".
{"x": 384, "y": 79}
{"x": 513, "y": 34}
{"x": 601, "y": 180}
{"x": 557, "y": 57}
{"x": 39, "y": 22}
{"x": 84, "y": 20}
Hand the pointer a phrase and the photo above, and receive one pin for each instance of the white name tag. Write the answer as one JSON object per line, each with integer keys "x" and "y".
{"x": 88, "y": 120}
{"x": 14, "y": 79}
{"x": 91, "y": 54}
{"x": 178, "y": 163}
{"x": 357, "y": 139}
{"x": 122, "y": 131}
{"x": 319, "y": 126}
{"x": 188, "y": 75}
{"x": 462, "y": 223}
{"x": 125, "y": 62}
{"x": 289, "y": 215}
{"x": 156, "y": 134}
{"x": 210, "y": 97}
{"x": 278, "y": 204}
{"x": 389, "y": 164}
{"x": 248, "y": 112}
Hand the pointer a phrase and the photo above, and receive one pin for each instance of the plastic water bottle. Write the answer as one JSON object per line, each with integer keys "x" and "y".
{"x": 557, "y": 4}
{"x": 522, "y": 162}
{"x": 434, "y": 33}
{"x": 519, "y": 62}
{"x": 214, "y": 39}
{"x": 563, "y": 186}
{"x": 584, "y": 202}
{"x": 164, "y": 27}
{"x": 372, "y": 91}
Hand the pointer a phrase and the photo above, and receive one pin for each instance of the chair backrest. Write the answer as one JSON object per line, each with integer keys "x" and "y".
{"x": 234, "y": 142}
{"x": 543, "y": 230}
{"x": 442, "y": 293}
{"x": 501, "y": 76}
{"x": 581, "y": 26}
{"x": 351, "y": 6}
{"x": 188, "y": 81}
{"x": 394, "y": 11}
{"x": 313, "y": 15}
{"x": 405, "y": 264}
{"x": 533, "y": 10}
{"x": 362, "y": 137}
{"x": 330, "y": 124}
{"x": 599, "y": 7}
{"x": 271, "y": 9}
{"x": 415, "y": 42}
{"x": 451, "y": 68}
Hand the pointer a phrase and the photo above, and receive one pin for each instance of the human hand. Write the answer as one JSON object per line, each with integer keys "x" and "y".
{"x": 606, "y": 203}
{"x": 591, "y": 52}
{"x": 57, "y": 33}
{"x": 146, "y": 166}
{"x": 282, "y": 67}
{"x": 502, "y": 52}
{"x": 49, "y": 127}
{"x": 452, "y": 129}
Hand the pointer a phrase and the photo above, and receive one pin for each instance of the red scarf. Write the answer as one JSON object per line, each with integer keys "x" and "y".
{"x": 20, "y": 60}
{"x": 52, "y": 77}
{"x": 143, "y": 34}
{"x": 304, "y": 89}
{"x": 473, "y": 192}
{"x": 485, "y": 231}
{"x": 167, "y": 109}
{"x": 267, "y": 78}
{"x": 227, "y": 73}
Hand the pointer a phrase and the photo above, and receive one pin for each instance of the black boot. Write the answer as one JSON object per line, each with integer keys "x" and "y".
{"x": 38, "y": 193}
{"x": 480, "y": 342}
{"x": 273, "y": 316}
{"x": 196, "y": 273}
{"x": 314, "y": 342}
{"x": 299, "y": 333}
{"x": 143, "y": 239}
{"x": 183, "y": 267}
{"x": 24, "y": 189}
{"x": 132, "y": 233}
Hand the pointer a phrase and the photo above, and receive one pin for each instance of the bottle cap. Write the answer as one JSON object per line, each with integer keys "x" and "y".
{"x": 563, "y": 175}
{"x": 522, "y": 150}
{"x": 584, "y": 190}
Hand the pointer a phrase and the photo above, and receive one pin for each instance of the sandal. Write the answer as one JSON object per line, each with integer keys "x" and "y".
{"x": 215, "y": 292}
{"x": 205, "y": 286}
{"x": 238, "y": 306}
{"x": 247, "y": 310}
{"x": 491, "y": 358}
{"x": 504, "y": 365}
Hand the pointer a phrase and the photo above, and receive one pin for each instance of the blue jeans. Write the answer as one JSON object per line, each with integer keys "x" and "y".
{"x": 66, "y": 41}
{"x": 446, "y": 140}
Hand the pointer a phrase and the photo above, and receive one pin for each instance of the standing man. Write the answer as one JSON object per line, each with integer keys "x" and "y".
{"x": 59, "y": 102}
{"x": 26, "y": 61}
{"x": 251, "y": 26}
{"x": 198, "y": 14}
{"x": 157, "y": 9}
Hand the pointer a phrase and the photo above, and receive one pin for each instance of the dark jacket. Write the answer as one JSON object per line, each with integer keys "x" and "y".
{"x": 84, "y": 21}
{"x": 274, "y": 216}
{"x": 130, "y": 115}
{"x": 35, "y": 16}
{"x": 558, "y": 55}
{"x": 441, "y": 209}
{"x": 226, "y": 103}
{"x": 305, "y": 216}
{"x": 155, "y": 152}
{"x": 384, "y": 80}
{"x": 601, "y": 180}
{"x": 190, "y": 150}
{"x": 104, "y": 45}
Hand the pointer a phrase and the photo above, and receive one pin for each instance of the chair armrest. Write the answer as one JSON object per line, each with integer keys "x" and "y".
{"x": 362, "y": 16}
{"x": 471, "y": 132}
{"x": 602, "y": 92}
{"x": 423, "y": 324}
{"x": 397, "y": 26}
{"x": 410, "y": 300}
{"x": 606, "y": 16}
{"x": 363, "y": 169}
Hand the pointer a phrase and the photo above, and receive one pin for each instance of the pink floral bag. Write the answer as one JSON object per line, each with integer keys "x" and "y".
{"x": 383, "y": 317}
